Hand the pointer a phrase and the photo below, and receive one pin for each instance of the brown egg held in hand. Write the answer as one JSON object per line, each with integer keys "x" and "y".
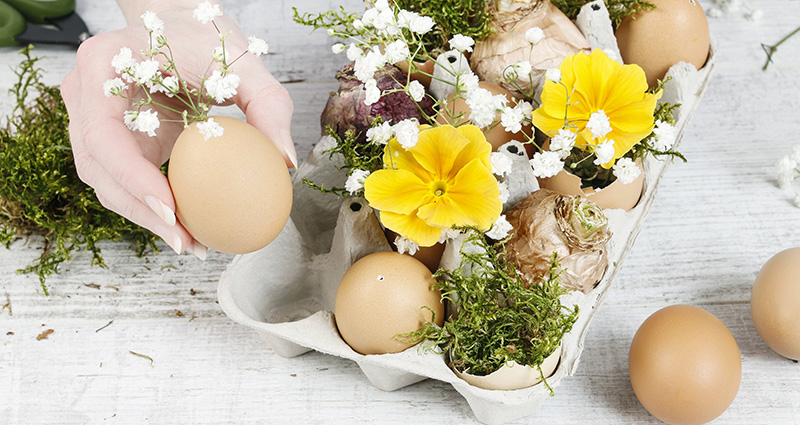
{"x": 383, "y": 295}
{"x": 456, "y": 112}
{"x": 675, "y": 31}
{"x": 684, "y": 365}
{"x": 775, "y": 303}
{"x": 233, "y": 193}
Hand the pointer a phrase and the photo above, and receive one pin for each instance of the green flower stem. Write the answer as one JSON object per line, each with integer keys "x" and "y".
{"x": 770, "y": 50}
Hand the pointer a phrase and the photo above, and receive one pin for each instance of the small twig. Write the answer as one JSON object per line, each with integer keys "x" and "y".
{"x": 44, "y": 334}
{"x": 106, "y": 325}
{"x": 143, "y": 356}
{"x": 770, "y": 50}
{"x": 7, "y": 305}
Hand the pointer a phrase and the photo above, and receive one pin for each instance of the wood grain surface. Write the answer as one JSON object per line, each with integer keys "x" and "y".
{"x": 715, "y": 221}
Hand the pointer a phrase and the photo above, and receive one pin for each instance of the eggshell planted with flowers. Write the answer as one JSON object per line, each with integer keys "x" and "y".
{"x": 233, "y": 193}
{"x": 774, "y": 303}
{"x": 383, "y": 295}
{"x": 616, "y": 195}
{"x": 456, "y": 112}
{"x": 431, "y": 256}
{"x": 675, "y": 31}
{"x": 685, "y": 366}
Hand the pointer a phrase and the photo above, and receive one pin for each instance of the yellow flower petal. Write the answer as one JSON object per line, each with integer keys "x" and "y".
{"x": 472, "y": 200}
{"x": 398, "y": 191}
{"x": 477, "y": 147}
{"x": 437, "y": 149}
{"x": 411, "y": 227}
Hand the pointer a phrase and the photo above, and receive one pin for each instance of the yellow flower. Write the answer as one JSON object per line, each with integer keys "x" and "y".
{"x": 593, "y": 83}
{"x": 445, "y": 180}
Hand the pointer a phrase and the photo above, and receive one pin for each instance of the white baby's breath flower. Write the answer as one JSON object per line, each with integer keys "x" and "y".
{"x": 146, "y": 71}
{"x": 397, "y": 51}
{"x": 354, "y": 52}
{"x": 796, "y": 153}
{"x": 257, "y": 46}
{"x": 220, "y": 55}
{"x": 382, "y": 5}
{"x": 355, "y": 181}
{"x": 626, "y": 170}
{"x": 563, "y": 142}
{"x": 604, "y": 152}
{"x": 373, "y": 93}
{"x": 599, "y": 124}
{"x": 337, "y": 48}
{"x": 366, "y": 66}
{"x": 501, "y": 163}
{"x": 169, "y": 85}
{"x": 416, "y": 90}
{"x": 123, "y": 62}
{"x": 386, "y": 24}
{"x": 380, "y": 134}
{"x": 484, "y": 106}
{"x": 546, "y": 164}
{"x": 221, "y": 87}
{"x": 462, "y": 43}
{"x": 504, "y": 192}
{"x": 448, "y": 234}
{"x": 210, "y": 129}
{"x": 370, "y": 15}
{"x": 534, "y": 35}
{"x": 144, "y": 121}
{"x": 785, "y": 164}
{"x": 466, "y": 82}
{"x": 114, "y": 87}
{"x": 358, "y": 25}
{"x": 526, "y": 108}
{"x": 511, "y": 119}
{"x": 407, "y": 133}
{"x": 500, "y": 229}
{"x": 152, "y": 23}
{"x": 665, "y": 135}
{"x": 206, "y": 12}
{"x": 421, "y": 24}
{"x": 404, "y": 18}
{"x": 331, "y": 32}
{"x": 785, "y": 179}
{"x": 520, "y": 70}
{"x": 554, "y": 75}
{"x": 406, "y": 245}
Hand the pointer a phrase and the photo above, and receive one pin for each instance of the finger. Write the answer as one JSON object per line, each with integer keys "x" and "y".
{"x": 266, "y": 104}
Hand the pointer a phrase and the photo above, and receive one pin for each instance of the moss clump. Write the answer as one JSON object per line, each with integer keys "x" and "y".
{"x": 39, "y": 187}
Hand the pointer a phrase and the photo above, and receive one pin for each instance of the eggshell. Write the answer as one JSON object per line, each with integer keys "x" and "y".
{"x": 615, "y": 195}
{"x": 656, "y": 39}
{"x": 497, "y": 136}
{"x": 513, "y": 376}
{"x": 684, "y": 365}
{"x": 383, "y": 295}
{"x": 233, "y": 193}
{"x": 775, "y": 305}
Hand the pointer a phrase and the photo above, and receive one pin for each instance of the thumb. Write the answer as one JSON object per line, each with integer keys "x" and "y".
{"x": 266, "y": 104}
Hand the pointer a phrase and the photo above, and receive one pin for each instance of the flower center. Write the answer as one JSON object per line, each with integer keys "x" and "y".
{"x": 439, "y": 188}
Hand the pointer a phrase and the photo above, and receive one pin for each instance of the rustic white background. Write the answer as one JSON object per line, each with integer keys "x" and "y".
{"x": 715, "y": 221}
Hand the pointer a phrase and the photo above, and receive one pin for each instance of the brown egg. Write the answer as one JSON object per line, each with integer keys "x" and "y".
{"x": 684, "y": 365}
{"x": 233, "y": 193}
{"x": 497, "y": 136}
{"x": 656, "y": 39}
{"x": 774, "y": 303}
{"x": 383, "y": 295}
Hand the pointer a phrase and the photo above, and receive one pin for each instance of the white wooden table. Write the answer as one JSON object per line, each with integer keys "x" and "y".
{"x": 715, "y": 221}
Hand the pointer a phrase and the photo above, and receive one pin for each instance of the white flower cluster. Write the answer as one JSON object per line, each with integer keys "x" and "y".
{"x": 626, "y": 170}
{"x": 788, "y": 172}
{"x": 518, "y": 71}
{"x": 664, "y": 136}
{"x": 484, "y": 106}
{"x": 405, "y": 245}
{"x": 355, "y": 182}
{"x": 500, "y": 229}
{"x": 220, "y": 86}
{"x": 512, "y": 118}
{"x": 406, "y": 132}
{"x": 599, "y": 124}
{"x": 563, "y": 142}
{"x": 546, "y": 164}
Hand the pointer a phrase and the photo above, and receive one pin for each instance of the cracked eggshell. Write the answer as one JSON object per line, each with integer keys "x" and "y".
{"x": 615, "y": 195}
{"x": 514, "y": 376}
{"x": 233, "y": 193}
{"x": 675, "y": 31}
{"x": 383, "y": 295}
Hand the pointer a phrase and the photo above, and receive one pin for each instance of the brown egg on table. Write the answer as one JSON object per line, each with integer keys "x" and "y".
{"x": 775, "y": 303}
{"x": 233, "y": 192}
{"x": 684, "y": 365}
{"x": 383, "y": 295}
{"x": 655, "y": 39}
{"x": 457, "y": 113}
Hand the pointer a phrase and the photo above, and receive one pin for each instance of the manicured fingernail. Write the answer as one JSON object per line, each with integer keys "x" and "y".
{"x": 174, "y": 242}
{"x": 160, "y": 209}
{"x": 288, "y": 145}
{"x": 199, "y": 250}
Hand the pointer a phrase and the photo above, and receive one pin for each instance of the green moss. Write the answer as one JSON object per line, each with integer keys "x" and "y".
{"x": 465, "y": 17}
{"x": 39, "y": 187}
{"x": 617, "y": 9}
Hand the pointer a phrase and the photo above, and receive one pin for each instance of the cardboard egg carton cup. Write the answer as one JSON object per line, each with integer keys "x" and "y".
{"x": 286, "y": 290}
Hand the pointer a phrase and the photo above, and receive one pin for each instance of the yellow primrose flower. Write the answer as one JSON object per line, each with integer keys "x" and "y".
{"x": 444, "y": 180}
{"x": 597, "y": 88}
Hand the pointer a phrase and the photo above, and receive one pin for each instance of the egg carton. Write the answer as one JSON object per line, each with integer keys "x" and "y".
{"x": 286, "y": 290}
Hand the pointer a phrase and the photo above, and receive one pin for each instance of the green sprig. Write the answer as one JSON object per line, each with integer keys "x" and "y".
{"x": 39, "y": 187}
{"x": 498, "y": 318}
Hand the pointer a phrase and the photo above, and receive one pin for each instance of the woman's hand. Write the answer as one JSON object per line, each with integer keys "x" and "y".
{"x": 123, "y": 166}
